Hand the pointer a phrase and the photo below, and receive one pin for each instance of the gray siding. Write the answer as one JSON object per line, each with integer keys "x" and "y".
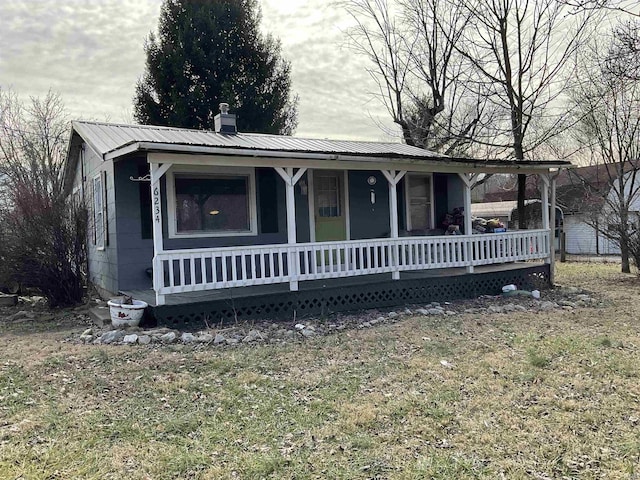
{"x": 455, "y": 191}
{"x": 135, "y": 253}
{"x": 368, "y": 220}
{"x": 103, "y": 268}
{"x": 372, "y": 221}
{"x": 302, "y": 212}
{"x": 441, "y": 197}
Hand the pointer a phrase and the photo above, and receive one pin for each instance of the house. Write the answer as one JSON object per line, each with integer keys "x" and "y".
{"x": 266, "y": 224}
{"x": 587, "y": 194}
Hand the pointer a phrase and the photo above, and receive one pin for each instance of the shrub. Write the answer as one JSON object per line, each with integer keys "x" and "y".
{"x": 42, "y": 233}
{"x": 43, "y": 245}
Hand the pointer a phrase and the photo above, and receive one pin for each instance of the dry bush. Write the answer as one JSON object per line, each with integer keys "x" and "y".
{"x": 42, "y": 233}
{"x": 44, "y": 247}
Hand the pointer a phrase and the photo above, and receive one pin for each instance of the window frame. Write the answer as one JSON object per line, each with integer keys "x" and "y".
{"x": 213, "y": 172}
{"x": 102, "y": 224}
{"x": 407, "y": 199}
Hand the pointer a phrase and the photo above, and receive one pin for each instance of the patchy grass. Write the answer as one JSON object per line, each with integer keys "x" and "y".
{"x": 548, "y": 395}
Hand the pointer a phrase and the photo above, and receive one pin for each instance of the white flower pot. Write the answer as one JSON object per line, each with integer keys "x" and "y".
{"x": 124, "y": 315}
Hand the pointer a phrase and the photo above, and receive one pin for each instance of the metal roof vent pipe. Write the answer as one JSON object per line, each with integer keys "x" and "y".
{"x": 225, "y": 122}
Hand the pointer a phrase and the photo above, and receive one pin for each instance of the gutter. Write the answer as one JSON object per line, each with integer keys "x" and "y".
{"x": 198, "y": 149}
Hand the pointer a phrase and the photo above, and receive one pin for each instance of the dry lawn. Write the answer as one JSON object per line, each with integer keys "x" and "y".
{"x": 529, "y": 395}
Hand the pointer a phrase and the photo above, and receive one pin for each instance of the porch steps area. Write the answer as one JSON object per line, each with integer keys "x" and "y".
{"x": 196, "y": 310}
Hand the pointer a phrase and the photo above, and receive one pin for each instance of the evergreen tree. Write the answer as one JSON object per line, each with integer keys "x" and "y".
{"x": 211, "y": 51}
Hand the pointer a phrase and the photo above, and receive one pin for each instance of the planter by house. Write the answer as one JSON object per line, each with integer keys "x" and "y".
{"x": 126, "y": 315}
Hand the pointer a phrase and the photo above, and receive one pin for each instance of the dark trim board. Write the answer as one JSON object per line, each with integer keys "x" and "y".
{"x": 353, "y": 293}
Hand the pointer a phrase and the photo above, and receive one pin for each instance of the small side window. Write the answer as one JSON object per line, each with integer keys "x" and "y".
{"x": 99, "y": 211}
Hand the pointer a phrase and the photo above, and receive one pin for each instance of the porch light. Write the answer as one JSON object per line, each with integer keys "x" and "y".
{"x": 214, "y": 212}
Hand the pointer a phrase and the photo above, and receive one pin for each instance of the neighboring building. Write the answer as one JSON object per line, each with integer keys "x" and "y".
{"x": 580, "y": 197}
{"x": 206, "y": 212}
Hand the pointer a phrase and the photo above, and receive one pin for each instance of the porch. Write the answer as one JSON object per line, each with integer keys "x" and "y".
{"x": 298, "y": 259}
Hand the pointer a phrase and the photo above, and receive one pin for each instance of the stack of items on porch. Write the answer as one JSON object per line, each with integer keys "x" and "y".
{"x": 453, "y": 223}
{"x": 482, "y": 225}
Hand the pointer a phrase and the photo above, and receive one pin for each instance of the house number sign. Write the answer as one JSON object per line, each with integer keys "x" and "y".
{"x": 156, "y": 203}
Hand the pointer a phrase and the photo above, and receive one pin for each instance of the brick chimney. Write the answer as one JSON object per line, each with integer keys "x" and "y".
{"x": 225, "y": 122}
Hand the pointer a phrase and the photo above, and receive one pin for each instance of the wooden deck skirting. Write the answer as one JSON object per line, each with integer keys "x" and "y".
{"x": 323, "y": 297}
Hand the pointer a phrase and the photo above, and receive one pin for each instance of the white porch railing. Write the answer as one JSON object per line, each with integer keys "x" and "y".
{"x": 212, "y": 268}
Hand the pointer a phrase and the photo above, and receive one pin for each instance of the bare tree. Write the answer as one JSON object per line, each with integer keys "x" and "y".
{"x": 42, "y": 233}
{"x": 523, "y": 50}
{"x": 623, "y": 58}
{"x": 629, "y": 7}
{"x": 608, "y": 102}
{"x": 33, "y": 142}
{"x": 410, "y": 44}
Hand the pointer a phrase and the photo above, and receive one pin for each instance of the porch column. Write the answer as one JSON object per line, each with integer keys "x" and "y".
{"x": 545, "y": 212}
{"x": 468, "y": 179}
{"x": 290, "y": 178}
{"x": 552, "y": 258}
{"x": 394, "y": 178}
{"x": 156, "y": 171}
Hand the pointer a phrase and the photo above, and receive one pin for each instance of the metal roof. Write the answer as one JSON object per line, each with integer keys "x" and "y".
{"x": 106, "y": 139}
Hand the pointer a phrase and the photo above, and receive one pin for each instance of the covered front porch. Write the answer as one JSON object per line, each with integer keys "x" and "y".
{"x": 397, "y": 254}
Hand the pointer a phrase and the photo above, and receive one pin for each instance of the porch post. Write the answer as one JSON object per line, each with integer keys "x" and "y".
{"x": 468, "y": 180}
{"x": 156, "y": 171}
{"x": 394, "y": 178}
{"x": 290, "y": 179}
{"x": 552, "y": 253}
{"x": 545, "y": 212}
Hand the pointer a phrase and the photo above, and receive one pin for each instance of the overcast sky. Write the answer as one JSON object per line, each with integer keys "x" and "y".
{"x": 91, "y": 52}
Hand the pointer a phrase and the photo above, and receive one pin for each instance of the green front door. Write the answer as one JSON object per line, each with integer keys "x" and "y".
{"x": 329, "y": 204}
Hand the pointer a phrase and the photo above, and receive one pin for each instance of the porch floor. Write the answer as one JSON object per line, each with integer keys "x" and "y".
{"x": 149, "y": 295}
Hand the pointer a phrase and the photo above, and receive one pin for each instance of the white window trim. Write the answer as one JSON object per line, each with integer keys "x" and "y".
{"x": 213, "y": 171}
{"x": 407, "y": 212}
{"x": 102, "y": 177}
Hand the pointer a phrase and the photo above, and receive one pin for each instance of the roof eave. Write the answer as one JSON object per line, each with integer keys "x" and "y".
{"x": 483, "y": 165}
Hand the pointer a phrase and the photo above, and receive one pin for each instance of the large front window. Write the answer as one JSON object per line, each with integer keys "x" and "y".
{"x": 211, "y": 204}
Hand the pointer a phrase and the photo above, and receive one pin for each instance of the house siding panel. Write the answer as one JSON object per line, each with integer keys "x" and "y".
{"x": 581, "y": 238}
{"x": 455, "y": 191}
{"x": 368, "y": 220}
{"x": 440, "y": 197}
{"x": 302, "y": 211}
{"x": 103, "y": 269}
{"x": 134, "y": 253}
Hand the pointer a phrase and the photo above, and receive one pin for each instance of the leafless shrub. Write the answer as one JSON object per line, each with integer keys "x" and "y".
{"x": 42, "y": 233}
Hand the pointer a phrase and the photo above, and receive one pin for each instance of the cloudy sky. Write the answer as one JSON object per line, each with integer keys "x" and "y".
{"x": 91, "y": 52}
